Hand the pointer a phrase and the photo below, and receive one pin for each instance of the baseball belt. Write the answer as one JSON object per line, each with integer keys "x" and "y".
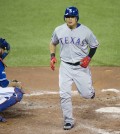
{"x": 74, "y": 64}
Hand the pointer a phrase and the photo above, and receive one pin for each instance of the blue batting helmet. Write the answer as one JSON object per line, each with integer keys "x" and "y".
{"x": 71, "y": 11}
{"x": 4, "y": 45}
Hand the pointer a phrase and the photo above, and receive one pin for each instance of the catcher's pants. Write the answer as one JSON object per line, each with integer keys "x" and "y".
{"x": 82, "y": 79}
{"x": 9, "y": 96}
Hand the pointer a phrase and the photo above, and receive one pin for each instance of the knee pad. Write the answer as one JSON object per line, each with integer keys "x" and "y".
{"x": 9, "y": 102}
{"x": 16, "y": 97}
{"x": 18, "y": 93}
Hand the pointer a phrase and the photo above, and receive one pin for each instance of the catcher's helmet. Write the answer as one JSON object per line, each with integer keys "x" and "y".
{"x": 4, "y": 45}
{"x": 71, "y": 11}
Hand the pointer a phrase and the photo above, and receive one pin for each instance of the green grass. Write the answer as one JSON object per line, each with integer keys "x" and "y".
{"x": 28, "y": 25}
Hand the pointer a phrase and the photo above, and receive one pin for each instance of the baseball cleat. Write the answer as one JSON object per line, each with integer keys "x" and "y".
{"x": 68, "y": 126}
{"x": 2, "y": 119}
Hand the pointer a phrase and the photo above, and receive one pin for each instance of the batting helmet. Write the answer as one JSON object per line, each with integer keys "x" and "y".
{"x": 4, "y": 45}
{"x": 71, "y": 11}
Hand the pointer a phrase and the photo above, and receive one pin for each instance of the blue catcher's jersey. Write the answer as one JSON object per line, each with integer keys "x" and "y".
{"x": 3, "y": 80}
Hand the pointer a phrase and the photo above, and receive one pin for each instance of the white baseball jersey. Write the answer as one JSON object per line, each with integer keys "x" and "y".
{"x": 74, "y": 46}
{"x": 74, "y": 43}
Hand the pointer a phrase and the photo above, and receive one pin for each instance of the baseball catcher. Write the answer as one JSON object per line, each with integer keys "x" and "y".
{"x": 10, "y": 90}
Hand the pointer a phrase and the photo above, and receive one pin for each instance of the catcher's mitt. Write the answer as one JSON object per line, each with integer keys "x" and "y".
{"x": 15, "y": 83}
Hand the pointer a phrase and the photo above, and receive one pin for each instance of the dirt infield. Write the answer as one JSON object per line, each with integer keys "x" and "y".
{"x": 39, "y": 112}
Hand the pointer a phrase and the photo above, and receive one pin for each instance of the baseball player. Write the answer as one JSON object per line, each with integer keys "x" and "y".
{"x": 78, "y": 44}
{"x": 10, "y": 91}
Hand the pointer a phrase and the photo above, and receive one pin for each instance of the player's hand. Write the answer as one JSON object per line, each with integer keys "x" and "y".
{"x": 52, "y": 63}
{"x": 85, "y": 61}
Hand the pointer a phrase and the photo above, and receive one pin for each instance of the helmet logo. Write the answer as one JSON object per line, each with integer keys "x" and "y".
{"x": 70, "y": 10}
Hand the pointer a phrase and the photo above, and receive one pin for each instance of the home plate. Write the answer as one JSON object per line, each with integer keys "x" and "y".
{"x": 109, "y": 110}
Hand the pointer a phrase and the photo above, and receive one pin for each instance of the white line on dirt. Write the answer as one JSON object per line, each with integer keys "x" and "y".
{"x": 111, "y": 90}
{"x": 73, "y": 92}
{"x": 40, "y": 93}
{"x": 47, "y": 93}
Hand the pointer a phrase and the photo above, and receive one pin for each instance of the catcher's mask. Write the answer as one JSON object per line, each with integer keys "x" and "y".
{"x": 71, "y": 11}
{"x": 4, "y": 45}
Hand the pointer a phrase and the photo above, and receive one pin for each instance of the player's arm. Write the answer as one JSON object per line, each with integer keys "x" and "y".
{"x": 52, "y": 48}
{"x": 93, "y": 44}
{"x": 7, "y": 83}
{"x": 92, "y": 52}
{"x": 4, "y": 82}
{"x": 52, "y": 54}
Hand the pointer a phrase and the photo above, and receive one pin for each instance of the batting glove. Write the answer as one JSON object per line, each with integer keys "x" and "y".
{"x": 52, "y": 63}
{"x": 85, "y": 61}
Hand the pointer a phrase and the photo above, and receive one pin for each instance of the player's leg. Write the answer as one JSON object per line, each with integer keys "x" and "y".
{"x": 83, "y": 82}
{"x": 10, "y": 97}
{"x": 65, "y": 84}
